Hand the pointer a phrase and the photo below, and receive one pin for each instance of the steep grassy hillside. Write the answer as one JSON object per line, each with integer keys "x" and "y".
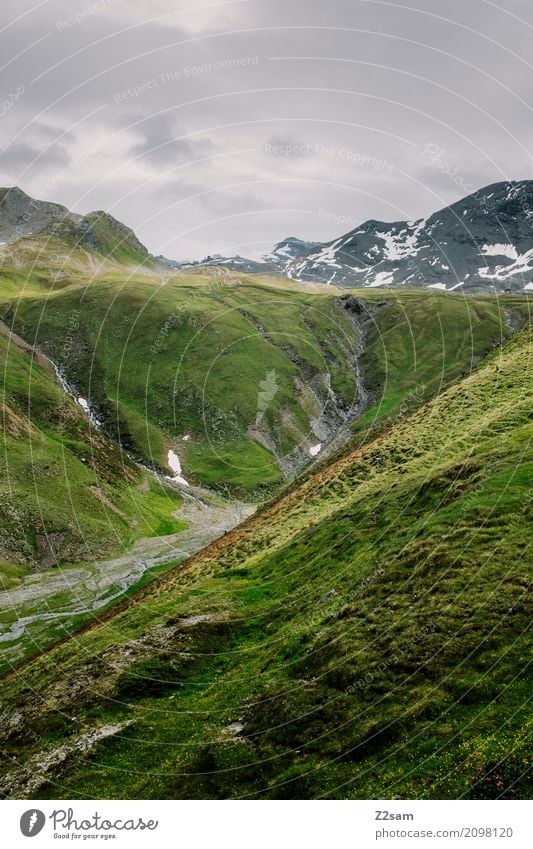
{"x": 67, "y": 492}
{"x": 243, "y": 380}
{"x": 420, "y": 342}
{"x": 363, "y": 636}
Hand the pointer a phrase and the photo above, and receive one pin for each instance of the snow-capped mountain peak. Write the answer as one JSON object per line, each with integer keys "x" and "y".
{"x": 483, "y": 242}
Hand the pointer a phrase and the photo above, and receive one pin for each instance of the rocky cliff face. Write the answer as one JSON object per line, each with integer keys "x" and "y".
{"x": 22, "y": 216}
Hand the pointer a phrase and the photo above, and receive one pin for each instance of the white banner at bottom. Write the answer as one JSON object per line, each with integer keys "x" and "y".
{"x": 267, "y": 824}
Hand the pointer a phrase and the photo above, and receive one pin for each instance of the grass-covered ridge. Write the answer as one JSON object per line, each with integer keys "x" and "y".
{"x": 364, "y": 636}
{"x": 420, "y": 342}
{"x": 44, "y": 235}
{"x": 241, "y": 376}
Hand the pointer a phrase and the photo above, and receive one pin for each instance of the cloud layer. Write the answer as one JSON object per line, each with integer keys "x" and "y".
{"x": 224, "y": 127}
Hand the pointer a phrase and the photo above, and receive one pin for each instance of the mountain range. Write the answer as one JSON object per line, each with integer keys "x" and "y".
{"x": 482, "y": 243}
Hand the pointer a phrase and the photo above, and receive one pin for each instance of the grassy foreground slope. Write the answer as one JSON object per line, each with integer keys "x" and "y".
{"x": 366, "y": 635}
{"x": 237, "y": 375}
{"x": 66, "y": 491}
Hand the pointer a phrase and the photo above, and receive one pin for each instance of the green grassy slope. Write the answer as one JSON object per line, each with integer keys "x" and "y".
{"x": 67, "y": 492}
{"x": 420, "y": 342}
{"x": 200, "y": 357}
{"x": 113, "y": 239}
{"x": 195, "y": 357}
{"x": 364, "y": 636}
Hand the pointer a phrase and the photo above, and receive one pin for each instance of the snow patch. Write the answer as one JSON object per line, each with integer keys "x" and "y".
{"x": 83, "y": 404}
{"x": 327, "y": 254}
{"x": 175, "y": 465}
{"x": 513, "y": 192}
{"x": 500, "y": 250}
{"x": 315, "y": 449}
{"x": 437, "y": 286}
{"x": 382, "y": 278}
{"x": 502, "y": 272}
{"x": 402, "y": 244}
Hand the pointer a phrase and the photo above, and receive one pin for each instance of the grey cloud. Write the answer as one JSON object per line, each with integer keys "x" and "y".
{"x": 357, "y": 83}
{"x": 162, "y": 145}
{"x": 24, "y": 156}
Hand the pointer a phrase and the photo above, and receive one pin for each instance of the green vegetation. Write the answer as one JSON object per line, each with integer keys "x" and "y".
{"x": 419, "y": 342}
{"x": 363, "y": 636}
{"x": 161, "y": 360}
{"x": 44, "y": 235}
{"x": 181, "y": 362}
{"x": 67, "y": 492}
{"x": 113, "y": 240}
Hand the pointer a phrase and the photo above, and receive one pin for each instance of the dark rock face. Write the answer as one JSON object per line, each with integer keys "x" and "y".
{"x": 21, "y": 217}
{"x": 48, "y": 546}
{"x": 290, "y": 249}
{"x": 481, "y": 243}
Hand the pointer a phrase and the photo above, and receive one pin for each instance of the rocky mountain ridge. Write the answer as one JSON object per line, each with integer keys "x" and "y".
{"x": 484, "y": 242}
{"x": 25, "y": 218}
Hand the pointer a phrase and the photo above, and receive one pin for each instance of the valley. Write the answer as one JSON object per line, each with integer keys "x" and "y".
{"x": 259, "y": 537}
{"x": 363, "y": 635}
{"x": 46, "y": 606}
{"x": 266, "y": 423}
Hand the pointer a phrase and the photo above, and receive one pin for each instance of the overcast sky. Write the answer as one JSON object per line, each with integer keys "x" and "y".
{"x": 226, "y": 126}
